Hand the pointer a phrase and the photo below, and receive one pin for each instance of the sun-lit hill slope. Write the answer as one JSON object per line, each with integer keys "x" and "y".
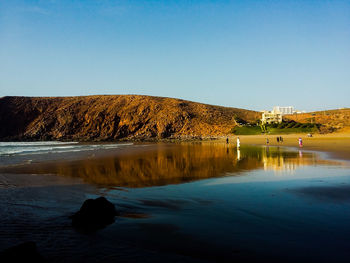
{"x": 112, "y": 117}
{"x": 330, "y": 119}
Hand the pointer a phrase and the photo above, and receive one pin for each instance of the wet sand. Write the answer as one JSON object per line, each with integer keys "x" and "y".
{"x": 337, "y": 145}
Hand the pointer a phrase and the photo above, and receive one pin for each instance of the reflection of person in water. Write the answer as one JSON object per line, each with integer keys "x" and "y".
{"x": 238, "y": 143}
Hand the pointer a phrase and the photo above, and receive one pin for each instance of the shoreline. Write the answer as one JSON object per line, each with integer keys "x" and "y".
{"x": 330, "y": 146}
{"x": 336, "y": 146}
{"x": 37, "y": 158}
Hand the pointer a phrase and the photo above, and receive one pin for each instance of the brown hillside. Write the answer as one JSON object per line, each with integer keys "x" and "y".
{"x": 330, "y": 119}
{"x": 113, "y": 117}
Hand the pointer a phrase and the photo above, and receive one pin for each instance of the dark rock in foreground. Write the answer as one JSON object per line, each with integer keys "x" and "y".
{"x": 94, "y": 214}
{"x": 25, "y": 252}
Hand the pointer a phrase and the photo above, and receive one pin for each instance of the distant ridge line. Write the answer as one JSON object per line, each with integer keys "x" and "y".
{"x": 114, "y": 117}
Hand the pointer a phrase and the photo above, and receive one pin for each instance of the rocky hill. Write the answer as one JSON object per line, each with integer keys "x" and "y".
{"x": 331, "y": 120}
{"x": 113, "y": 117}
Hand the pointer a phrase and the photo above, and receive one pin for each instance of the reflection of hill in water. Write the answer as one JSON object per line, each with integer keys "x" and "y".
{"x": 170, "y": 164}
{"x": 279, "y": 160}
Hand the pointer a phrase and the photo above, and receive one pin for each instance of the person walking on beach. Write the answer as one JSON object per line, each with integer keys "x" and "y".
{"x": 281, "y": 139}
{"x": 278, "y": 139}
{"x": 267, "y": 141}
{"x": 300, "y": 142}
{"x": 238, "y": 143}
{"x": 227, "y": 140}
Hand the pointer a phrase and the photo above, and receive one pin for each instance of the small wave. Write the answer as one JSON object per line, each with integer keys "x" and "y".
{"x": 26, "y": 148}
{"x": 21, "y": 144}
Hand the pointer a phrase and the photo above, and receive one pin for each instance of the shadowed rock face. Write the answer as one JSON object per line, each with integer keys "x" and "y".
{"x": 113, "y": 117}
{"x": 94, "y": 214}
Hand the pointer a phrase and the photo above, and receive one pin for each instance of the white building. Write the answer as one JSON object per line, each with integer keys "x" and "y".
{"x": 284, "y": 110}
{"x": 276, "y": 115}
{"x": 287, "y": 110}
{"x": 269, "y": 117}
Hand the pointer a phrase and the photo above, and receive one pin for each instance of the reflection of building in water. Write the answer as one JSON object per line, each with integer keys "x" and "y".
{"x": 279, "y": 162}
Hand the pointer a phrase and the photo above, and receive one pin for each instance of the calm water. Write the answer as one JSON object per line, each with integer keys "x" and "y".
{"x": 182, "y": 203}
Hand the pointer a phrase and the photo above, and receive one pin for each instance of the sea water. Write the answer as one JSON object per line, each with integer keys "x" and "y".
{"x": 17, "y": 152}
{"x": 42, "y": 147}
{"x": 188, "y": 202}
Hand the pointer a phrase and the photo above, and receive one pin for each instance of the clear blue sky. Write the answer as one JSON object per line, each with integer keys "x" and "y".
{"x": 246, "y": 54}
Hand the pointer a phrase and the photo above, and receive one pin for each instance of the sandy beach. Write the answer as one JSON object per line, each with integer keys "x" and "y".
{"x": 337, "y": 145}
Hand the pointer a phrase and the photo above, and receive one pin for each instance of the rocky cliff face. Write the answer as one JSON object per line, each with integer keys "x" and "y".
{"x": 331, "y": 119}
{"x": 113, "y": 117}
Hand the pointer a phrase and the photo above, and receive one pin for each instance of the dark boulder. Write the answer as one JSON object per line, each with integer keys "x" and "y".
{"x": 25, "y": 252}
{"x": 94, "y": 214}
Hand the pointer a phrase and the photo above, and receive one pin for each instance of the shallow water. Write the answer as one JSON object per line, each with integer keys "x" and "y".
{"x": 12, "y": 153}
{"x": 44, "y": 147}
{"x": 188, "y": 202}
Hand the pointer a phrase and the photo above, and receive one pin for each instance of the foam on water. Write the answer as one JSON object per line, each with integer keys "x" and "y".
{"x": 24, "y": 148}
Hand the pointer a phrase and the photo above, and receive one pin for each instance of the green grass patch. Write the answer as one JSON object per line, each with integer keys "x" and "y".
{"x": 247, "y": 130}
{"x": 292, "y": 130}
